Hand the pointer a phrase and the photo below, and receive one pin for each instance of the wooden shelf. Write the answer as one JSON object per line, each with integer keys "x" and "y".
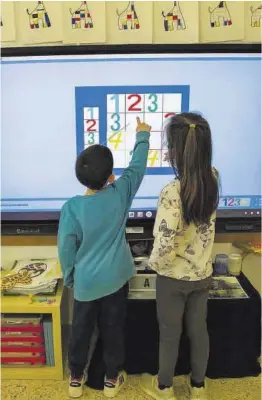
{"x": 23, "y": 305}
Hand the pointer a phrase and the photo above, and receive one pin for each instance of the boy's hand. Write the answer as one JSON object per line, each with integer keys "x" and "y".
{"x": 142, "y": 126}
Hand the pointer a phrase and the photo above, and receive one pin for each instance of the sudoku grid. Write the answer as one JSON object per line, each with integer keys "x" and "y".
{"x": 112, "y": 122}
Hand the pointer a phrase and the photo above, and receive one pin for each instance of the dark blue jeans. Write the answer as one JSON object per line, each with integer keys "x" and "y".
{"x": 109, "y": 313}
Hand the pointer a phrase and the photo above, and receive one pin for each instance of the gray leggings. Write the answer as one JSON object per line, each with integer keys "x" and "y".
{"x": 174, "y": 299}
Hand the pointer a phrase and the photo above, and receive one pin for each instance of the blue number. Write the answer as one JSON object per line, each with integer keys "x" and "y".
{"x": 116, "y": 125}
{"x": 116, "y": 98}
{"x": 91, "y": 112}
{"x": 225, "y": 201}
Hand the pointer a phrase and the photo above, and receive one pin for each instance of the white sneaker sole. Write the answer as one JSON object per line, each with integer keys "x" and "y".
{"x": 110, "y": 393}
{"x": 154, "y": 395}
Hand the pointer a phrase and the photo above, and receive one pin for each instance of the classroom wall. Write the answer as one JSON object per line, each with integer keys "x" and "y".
{"x": 251, "y": 265}
{"x": 195, "y": 16}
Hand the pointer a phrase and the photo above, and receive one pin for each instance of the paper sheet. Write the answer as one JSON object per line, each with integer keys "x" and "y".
{"x": 39, "y": 21}
{"x": 253, "y": 21}
{"x": 129, "y": 22}
{"x": 176, "y": 22}
{"x": 221, "y": 21}
{"x": 84, "y": 22}
{"x": 7, "y": 22}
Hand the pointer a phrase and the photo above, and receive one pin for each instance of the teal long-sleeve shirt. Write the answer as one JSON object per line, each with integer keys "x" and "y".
{"x": 94, "y": 255}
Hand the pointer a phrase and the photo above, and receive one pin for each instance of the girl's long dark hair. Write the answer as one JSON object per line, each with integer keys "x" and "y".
{"x": 190, "y": 155}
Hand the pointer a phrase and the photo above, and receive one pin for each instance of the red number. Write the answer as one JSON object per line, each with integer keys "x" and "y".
{"x": 90, "y": 125}
{"x": 231, "y": 202}
{"x": 133, "y": 107}
{"x": 169, "y": 115}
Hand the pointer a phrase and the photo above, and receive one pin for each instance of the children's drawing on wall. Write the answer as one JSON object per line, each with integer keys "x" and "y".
{"x": 253, "y": 24}
{"x": 39, "y": 18}
{"x": 129, "y": 22}
{"x": 220, "y": 15}
{"x": 81, "y": 18}
{"x": 221, "y": 21}
{"x": 84, "y": 22}
{"x": 256, "y": 15}
{"x": 173, "y": 19}
{"x": 7, "y": 21}
{"x": 176, "y": 22}
{"x": 128, "y": 19}
{"x": 39, "y": 21}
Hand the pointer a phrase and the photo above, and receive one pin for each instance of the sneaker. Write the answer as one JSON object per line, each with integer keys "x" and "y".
{"x": 76, "y": 386}
{"x": 149, "y": 384}
{"x": 113, "y": 386}
{"x": 198, "y": 393}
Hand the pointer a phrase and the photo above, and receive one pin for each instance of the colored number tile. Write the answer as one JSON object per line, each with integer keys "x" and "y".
{"x": 155, "y": 140}
{"x": 153, "y": 102}
{"x": 154, "y": 158}
{"x": 119, "y": 159}
{"x": 115, "y": 122}
{"x": 164, "y": 159}
{"x": 172, "y": 102}
{"x": 116, "y": 141}
{"x": 91, "y": 125}
{"x": 116, "y": 103}
{"x": 135, "y": 103}
{"x": 131, "y": 122}
{"x": 91, "y": 113}
{"x": 155, "y": 120}
{"x": 91, "y": 138}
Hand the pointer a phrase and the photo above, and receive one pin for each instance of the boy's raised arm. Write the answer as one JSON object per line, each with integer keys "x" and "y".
{"x": 132, "y": 177}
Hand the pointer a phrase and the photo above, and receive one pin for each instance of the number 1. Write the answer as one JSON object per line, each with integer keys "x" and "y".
{"x": 91, "y": 110}
{"x": 116, "y": 98}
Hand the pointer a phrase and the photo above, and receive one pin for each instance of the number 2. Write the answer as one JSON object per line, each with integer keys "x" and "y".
{"x": 230, "y": 202}
{"x": 133, "y": 107}
{"x": 169, "y": 115}
{"x": 91, "y": 123}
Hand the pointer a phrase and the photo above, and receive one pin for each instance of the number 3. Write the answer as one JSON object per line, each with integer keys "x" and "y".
{"x": 116, "y": 125}
{"x": 91, "y": 138}
{"x": 153, "y": 106}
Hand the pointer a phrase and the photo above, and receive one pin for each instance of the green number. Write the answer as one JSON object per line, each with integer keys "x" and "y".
{"x": 91, "y": 138}
{"x": 116, "y": 125}
{"x": 153, "y": 106}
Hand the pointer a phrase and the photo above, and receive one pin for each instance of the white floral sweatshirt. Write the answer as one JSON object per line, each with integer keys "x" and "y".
{"x": 180, "y": 251}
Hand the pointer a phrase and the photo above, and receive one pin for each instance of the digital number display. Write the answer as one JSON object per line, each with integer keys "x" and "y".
{"x": 234, "y": 202}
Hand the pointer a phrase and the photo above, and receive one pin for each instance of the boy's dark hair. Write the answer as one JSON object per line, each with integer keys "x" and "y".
{"x": 94, "y": 166}
{"x": 190, "y": 155}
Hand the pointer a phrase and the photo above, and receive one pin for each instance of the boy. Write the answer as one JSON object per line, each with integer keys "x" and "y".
{"x": 96, "y": 260}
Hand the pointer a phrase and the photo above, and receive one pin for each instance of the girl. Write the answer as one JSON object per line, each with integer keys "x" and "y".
{"x": 184, "y": 236}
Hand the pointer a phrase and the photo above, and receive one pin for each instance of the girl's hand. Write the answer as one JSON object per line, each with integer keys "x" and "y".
{"x": 142, "y": 126}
